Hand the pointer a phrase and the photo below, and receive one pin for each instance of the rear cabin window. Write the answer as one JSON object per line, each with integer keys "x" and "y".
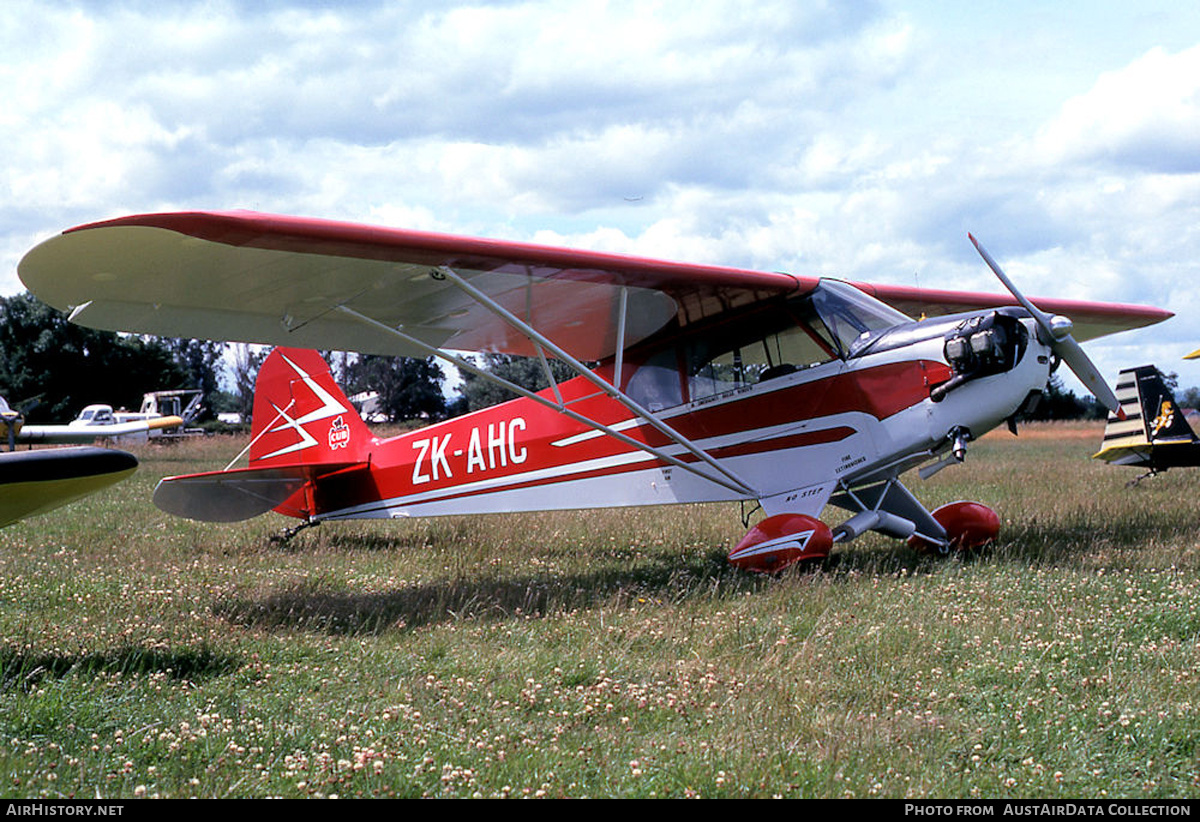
{"x": 656, "y": 384}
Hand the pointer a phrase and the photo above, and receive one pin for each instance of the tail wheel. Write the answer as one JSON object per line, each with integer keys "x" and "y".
{"x": 780, "y": 541}
{"x": 969, "y": 526}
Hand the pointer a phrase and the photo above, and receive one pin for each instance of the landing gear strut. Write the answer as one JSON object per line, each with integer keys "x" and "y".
{"x": 285, "y": 536}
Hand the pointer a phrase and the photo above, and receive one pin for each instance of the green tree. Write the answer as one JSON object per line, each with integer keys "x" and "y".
{"x": 1189, "y": 398}
{"x": 1060, "y": 403}
{"x": 409, "y": 387}
{"x": 65, "y": 366}
{"x": 478, "y": 392}
{"x": 247, "y": 359}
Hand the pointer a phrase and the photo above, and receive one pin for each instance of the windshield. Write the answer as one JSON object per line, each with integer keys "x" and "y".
{"x": 853, "y": 318}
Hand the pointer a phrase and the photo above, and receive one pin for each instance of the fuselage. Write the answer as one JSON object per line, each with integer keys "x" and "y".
{"x": 790, "y": 431}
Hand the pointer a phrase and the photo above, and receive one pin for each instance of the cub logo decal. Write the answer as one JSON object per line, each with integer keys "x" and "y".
{"x": 339, "y": 434}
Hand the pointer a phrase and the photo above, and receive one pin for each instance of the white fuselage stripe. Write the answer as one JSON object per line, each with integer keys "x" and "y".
{"x": 564, "y": 471}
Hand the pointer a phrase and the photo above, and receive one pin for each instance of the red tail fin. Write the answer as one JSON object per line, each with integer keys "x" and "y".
{"x": 301, "y": 416}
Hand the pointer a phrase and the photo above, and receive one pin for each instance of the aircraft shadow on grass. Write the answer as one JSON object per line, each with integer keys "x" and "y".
{"x": 326, "y": 610}
{"x": 669, "y": 578}
{"x": 23, "y": 669}
{"x": 1064, "y": 542}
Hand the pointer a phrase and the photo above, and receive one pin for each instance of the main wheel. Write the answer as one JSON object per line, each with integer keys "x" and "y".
{"x": 969, "y": 526}
{"x": 780, "y": 541}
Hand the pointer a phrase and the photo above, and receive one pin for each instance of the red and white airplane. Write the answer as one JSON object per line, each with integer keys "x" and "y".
{"x": 693, "y": 383}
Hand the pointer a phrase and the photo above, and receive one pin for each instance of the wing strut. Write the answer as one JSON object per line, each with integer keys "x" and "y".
{"x": 727, "y": 479}
{"x": 619, "y": 365}
{"x": 608, "y": 388}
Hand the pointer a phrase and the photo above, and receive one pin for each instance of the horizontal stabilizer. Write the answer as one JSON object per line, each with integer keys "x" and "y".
{"x": 238, "y": 494}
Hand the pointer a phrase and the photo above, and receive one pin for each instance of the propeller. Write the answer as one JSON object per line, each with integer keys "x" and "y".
{"x": 13, "y": 416}
{"x": 11, "y": 421}
{"x": 1057, "y": 330}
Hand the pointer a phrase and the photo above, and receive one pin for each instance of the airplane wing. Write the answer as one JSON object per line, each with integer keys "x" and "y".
{"x": 311, "y": 283}
{"x": 1091, "y": 319}
{"x": 83, "y": 434}
{"x": 33, "y": 482}
{"x": 285, "y": 281}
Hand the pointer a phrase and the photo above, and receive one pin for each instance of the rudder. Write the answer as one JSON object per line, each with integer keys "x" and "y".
{"x": 301, "y": 416}
{"x": 1164, "y": 418}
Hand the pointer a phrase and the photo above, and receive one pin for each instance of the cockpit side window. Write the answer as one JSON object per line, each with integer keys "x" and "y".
{"x": 727, "y": 363}
{"x": 736, "y": 354}
{"x": 655, "y": 384}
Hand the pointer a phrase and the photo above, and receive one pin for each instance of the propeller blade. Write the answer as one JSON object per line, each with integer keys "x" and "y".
{"x": 1081, "y": 365}
{"x": 1034, "y": 311}
{"x": 1058, "y": 335}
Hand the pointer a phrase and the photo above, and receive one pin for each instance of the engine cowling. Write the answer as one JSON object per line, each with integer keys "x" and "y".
{"x": 780, "y": 541}
{"x": 982, "y": 346}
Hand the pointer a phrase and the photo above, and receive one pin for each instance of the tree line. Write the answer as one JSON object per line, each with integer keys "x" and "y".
{"x": 1060, "y": 403}
{"x": 50, "y": 368}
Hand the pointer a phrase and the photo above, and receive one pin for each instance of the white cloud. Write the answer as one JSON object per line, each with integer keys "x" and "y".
{"x": 1145, "y": 115}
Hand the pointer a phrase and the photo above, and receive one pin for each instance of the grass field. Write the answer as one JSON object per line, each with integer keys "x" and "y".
{"x": 609, "y": 653}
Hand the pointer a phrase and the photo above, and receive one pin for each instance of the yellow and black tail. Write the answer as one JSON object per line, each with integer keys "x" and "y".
{"x": 1154, "y": 434}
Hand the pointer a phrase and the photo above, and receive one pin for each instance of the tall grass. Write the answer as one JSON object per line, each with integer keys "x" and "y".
{"x": 608, "y": 653}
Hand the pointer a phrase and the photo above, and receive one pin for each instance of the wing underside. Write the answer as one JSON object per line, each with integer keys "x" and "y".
{"x": 297, "y": 282}
{"x": 301, "y": 282}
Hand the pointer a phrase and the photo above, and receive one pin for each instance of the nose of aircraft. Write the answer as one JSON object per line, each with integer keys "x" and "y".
{"x": 1058, "y": 332}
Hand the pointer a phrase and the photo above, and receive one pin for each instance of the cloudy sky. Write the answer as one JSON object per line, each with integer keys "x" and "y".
{"x": 860, "y": 140}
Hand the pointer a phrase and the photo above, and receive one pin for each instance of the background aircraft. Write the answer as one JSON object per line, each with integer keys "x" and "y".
{"x": 13, "y": 429}
{"x": 705, "y": 383}
{"x": 1154, "y": 433}
{"x": 35, "y": 481}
